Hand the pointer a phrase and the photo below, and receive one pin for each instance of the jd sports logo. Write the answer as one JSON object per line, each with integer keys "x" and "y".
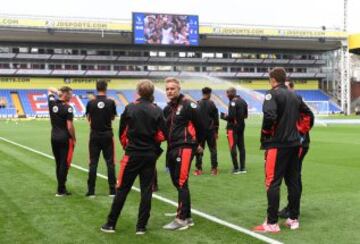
{"x": 101, "y": 105}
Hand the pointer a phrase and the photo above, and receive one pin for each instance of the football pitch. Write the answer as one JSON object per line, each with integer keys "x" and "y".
{"x": 30, "y": 212}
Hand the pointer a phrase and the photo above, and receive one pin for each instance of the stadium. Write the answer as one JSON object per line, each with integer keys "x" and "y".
{"x": 41, "y": 52}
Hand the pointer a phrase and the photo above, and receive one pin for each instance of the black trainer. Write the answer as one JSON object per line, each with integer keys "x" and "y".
{"x": 90, "y": 194}
{"x": 155, "y": 188}
{"x": 284, "y": 213}
{"x": 107, "y": 228}
{"x": 112, "y": 193}
{"x": 63, "y": 194}
{"x": 140, "y": 231}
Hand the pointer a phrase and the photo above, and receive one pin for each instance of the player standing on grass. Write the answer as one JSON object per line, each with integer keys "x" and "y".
{"x": 100, "y": 112}
{"x": 185, "y": 133}
{"x": 210, "y": 116}
{"x": 142, "y": 128}
{"x": 63, "y": 137}
{"x": 305, "y": 138}
{"x": 237, "y": 113}
{"x": 281, "y": 140}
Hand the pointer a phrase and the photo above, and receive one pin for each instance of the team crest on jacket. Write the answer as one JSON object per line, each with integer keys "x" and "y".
{"x": 55, "y": 109}
{"x": 232, "y": 104}
{"x": 193, "y": 105}
{"x": 268, "y": 97}
{"x": 101, "y": 105}
{"x": 70, "y": 110}
{"x": 178, "y": 159}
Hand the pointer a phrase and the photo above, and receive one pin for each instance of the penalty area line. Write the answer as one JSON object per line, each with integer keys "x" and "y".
{"x": 163, "y": 199}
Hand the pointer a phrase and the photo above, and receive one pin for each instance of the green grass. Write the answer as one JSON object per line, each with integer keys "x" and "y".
{"x": 31, "y": 214}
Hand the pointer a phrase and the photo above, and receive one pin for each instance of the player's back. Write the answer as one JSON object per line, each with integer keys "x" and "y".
{"x": 141, "y": 121}
{"x": 282, "y": 107}
{"x": 59, "y": 112}
{"x": 209, "y": 113}
{"x": 101, "y": 111}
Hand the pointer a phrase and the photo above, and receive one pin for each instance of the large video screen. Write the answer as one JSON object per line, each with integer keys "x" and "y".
{"x": 165, "y": 29}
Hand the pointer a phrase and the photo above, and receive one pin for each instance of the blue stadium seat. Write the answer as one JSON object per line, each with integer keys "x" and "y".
{"x": 253, "y": 98}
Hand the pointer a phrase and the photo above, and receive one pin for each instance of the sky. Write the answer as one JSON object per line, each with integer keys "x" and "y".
{"x": 298, "y": 13}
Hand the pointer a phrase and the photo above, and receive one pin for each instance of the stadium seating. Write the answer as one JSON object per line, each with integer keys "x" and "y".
{"x": 34, "y": 102}
{"x": 9, "y": 111}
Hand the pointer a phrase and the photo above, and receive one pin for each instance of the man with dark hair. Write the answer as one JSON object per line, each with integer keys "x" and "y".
{"x": 185, "y": 132}
{"x": 238, "y": 112}
{"x": 305, "y": 143}
{"x": 63, "y": 137}
{"x": 100, "y": 112}
{"x": 281, "y": 139}
{"x": 210, "y": 120}
{"x": 142, "y": 129}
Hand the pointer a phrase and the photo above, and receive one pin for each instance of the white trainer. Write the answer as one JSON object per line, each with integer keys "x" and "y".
{"x": 293, "y": 224}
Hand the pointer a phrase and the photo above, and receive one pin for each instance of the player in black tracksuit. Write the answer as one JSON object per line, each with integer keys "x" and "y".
{"x": 62, "y": 134}
{"x": 142, "y": 128}
{"x": 210, "y": 116}
{"x": 305, "y": 143}
{"x": 280, "y": 138}
{"x": 237, "y": 113}
{"x": 185, "y": 132}
{"x": 100, "y": 112}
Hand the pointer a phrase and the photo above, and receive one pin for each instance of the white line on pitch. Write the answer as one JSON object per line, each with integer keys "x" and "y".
{"x": 166, "y": 200}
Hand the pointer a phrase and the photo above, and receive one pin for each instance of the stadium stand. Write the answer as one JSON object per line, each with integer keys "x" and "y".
{"x": 33, "y": 103}
{"x": 72, "y": 53}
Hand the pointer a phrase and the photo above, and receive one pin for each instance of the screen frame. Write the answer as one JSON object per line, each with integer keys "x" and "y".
{"x": 163, "y": 45}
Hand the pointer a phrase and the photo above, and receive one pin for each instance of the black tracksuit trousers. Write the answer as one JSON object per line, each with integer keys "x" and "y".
{"x": 131, "y": 166}
{"x": 210, "y": 139}
{"x": 63, "y": 153}
{"x": 302, "y": 154}
{"x": 106, "y": 145}
{"x": 282, "y": 163}
{"x": 236, "y": 142}
{"x": 179, "y": 163}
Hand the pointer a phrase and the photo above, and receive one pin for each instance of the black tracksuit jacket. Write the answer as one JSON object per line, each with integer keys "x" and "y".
{"x": 183, "y": 122}
{"x": 237, "y": 113}
{"x": 142, "y": 127}
{"x": 282, "y": 125}
{"x": 209, "y": 115}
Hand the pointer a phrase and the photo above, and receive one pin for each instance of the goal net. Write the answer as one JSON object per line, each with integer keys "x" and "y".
{"x": 319, "y": 107}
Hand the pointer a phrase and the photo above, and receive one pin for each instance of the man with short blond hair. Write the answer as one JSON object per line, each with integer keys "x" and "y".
{"x": 142, "y": 129}
{"x": 185, "y": 133}
{"x": 172, "y": 80}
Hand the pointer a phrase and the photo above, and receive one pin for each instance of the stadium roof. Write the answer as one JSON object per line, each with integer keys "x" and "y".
{"x": 50, "y": 29}
{"x": 354, "y": 43}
